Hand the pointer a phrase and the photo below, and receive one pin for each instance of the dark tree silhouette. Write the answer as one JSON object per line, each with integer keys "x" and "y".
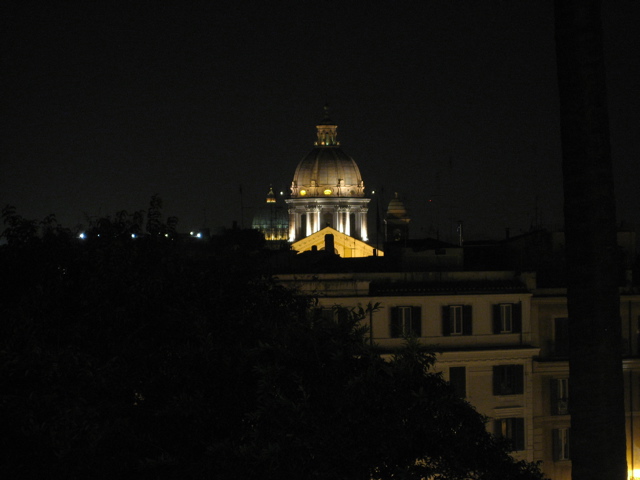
{"x": 598, "y": 448}
{"x": 141, "y": 357}
{"x": 155, "y": 226}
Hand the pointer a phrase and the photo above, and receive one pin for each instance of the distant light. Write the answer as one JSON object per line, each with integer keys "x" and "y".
{"x": 82, "y": 236}
{"x": 133, "y": 235}
{"x": 281, "y": 193}
{"x": 166, "y": 235}
{"x": 199, "y": 235}
{"x": 373, "y": 192}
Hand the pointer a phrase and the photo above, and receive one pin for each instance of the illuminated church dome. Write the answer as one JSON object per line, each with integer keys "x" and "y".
{"x": 326, "y": 171}
{"x": 272, "y": 220}
{"x": 397, "y": 210}
{"x": 396, "y": 222}
{"x": 327, "y": 190}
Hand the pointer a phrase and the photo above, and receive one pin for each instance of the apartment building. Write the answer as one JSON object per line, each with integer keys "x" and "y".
{"x": 501, "y": 339}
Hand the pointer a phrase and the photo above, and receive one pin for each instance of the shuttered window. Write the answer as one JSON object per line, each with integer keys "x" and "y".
{"x": 457, "y": 320}
{"x": 406, "y": 322}
{"x": 513, "y": 430}
{"x": 560, "y": 396}
{"x": 561, "y": 444}
{"x": 507, "y": 318}
{"x": 508, "y": 380}
{"x": 458, "y": 380}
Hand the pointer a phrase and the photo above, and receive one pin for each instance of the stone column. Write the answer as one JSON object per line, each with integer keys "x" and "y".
{"x": 292, "y": 225}
{"x": 364, "y": 234}
{"x": 347, "y": 221}
{"x": 336, "y": 218}
{"x": 341, "y": 215}
{"x": 316, "y": 214}
{"x": 309, "y": 229}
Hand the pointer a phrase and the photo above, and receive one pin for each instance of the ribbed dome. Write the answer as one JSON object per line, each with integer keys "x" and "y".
{"x": 326, "y": 171}
{"x": 272, "y": 219}
{"x": 397, "y": 210}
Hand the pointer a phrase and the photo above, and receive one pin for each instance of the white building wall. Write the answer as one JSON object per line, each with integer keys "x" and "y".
{"x": 535, "y": 348}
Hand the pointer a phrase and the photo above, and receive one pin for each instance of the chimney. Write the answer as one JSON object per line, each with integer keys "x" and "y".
{"x": 328, "y": 243}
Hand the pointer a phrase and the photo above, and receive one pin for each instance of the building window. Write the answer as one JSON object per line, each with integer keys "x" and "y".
{"x": 561, "y": 442}
{"x": 456, "y": 320}
{"x": 508, "y": 380}
{"x": 507, "y": 318}
{"x": 324, "y": 313}
{"x": 560, "y": 396}
{"x": 513, "y": 430}
{"x": 406, "y": 322}
{"x": 458, "y": 380}
{"x": 331, "y": 313}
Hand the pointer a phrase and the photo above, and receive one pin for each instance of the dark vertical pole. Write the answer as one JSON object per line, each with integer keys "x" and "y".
{"x": 598, "y": 440}
{"x": 241, "y": 208}
{"x": 378, "y": 220}
{"x": 631, "y": 409}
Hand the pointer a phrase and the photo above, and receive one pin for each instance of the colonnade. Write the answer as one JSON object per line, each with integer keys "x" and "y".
{"x": 309, "y": 218}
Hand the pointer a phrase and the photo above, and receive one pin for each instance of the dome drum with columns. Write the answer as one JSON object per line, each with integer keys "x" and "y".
{"x": 327, "y": 190}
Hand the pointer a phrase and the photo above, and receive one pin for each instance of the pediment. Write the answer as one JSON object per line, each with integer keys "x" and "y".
{"x": 344, "y": 245}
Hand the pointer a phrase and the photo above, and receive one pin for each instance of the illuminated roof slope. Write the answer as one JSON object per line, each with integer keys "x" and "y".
{"x": 344, "y": 245}
{"x": 326, "y": 171}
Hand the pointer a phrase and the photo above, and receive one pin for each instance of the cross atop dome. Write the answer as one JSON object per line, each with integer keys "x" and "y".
{"x": 327, "y": 131}
{"x": 271, "y": 197}
{"x": 326, "y": 120}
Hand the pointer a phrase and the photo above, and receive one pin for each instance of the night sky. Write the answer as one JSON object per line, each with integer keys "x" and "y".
{"x": 452, "y": 104}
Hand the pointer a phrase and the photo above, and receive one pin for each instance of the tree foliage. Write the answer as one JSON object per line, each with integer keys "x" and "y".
{"x": 144, "y": 357}
{"x": 330, "y": 406}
